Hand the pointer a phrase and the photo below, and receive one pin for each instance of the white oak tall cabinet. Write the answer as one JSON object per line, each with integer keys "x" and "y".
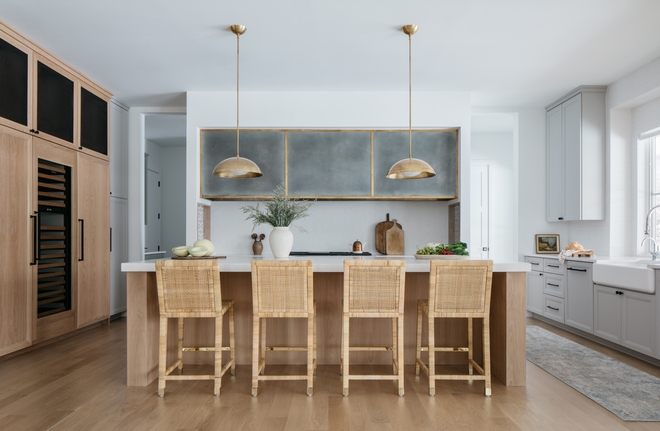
{"x": 54, "y": 196}
{"x": 15, "y": 303}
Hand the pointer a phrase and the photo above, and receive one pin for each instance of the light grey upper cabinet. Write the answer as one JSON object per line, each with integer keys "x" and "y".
{"x": 118, "y": 149}
{"x": 331, "y": 164}
{"x": 575, "y": 156}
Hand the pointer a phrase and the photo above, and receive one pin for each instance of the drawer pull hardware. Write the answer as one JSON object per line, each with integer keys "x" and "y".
{"x": 553, "y": 308}
{"x": 535, "y": 263}
{"x": 578, "y": 269}
{"x": 553, "y": 266}
{"x": 554, "y": 285}
{"x": 618, "y": 292}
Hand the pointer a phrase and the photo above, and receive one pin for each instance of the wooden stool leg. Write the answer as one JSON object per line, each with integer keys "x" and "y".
{"x": 431, "y": 356}
{"x": 400, "y": 366}
{"x": 418, "y": 349}
{"x": 310, "y": 355}
{"x": 180, "y": 345}
{"x": 395, "y": 344}
{"x": 232, "y": 340}
{"x": 162, "y": 356}
{"x": 470, "y": 347}
{"x": 263, "y": 346}
{"x": 347, "y": 353}
{"x": 255, "y": 355}
{"x": 217, "y": 378}
{"x": 486, "y": 342}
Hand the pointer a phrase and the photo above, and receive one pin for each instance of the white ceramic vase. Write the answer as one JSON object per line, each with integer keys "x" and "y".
{"x": 281, "y": 241}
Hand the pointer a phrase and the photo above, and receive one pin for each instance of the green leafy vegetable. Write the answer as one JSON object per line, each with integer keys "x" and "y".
{"x": 459, "y": 248}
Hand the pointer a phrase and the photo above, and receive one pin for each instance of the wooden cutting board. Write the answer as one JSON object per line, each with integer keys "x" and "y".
{"x": 381, "y": 230}
{"x": 394, "y": 240}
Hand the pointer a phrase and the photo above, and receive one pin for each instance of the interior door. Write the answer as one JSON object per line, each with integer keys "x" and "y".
{"x": 479, "y": 221}
{"x": 152, "y": 212}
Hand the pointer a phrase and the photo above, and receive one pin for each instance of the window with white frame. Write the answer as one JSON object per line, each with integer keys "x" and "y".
{"x": 654, "y": 186}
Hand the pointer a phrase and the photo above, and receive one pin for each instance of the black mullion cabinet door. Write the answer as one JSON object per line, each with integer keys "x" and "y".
{"x": 13, "y": 83}
{"x": 55, "y": 103}
{"x": 93, "y": 122}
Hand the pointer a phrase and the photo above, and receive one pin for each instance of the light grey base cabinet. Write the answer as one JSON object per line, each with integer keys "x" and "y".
{"x": 535, "y": 292}
{"x": 579, "y": 296}
{"x": 546, "y": 288}
{"x": 625, "y": 317}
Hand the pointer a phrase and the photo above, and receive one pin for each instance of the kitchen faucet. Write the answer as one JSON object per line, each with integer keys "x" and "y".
{"x": 647, "y": 232}
{"x": 655, "y": 253}
{"x": 647, "y": 228}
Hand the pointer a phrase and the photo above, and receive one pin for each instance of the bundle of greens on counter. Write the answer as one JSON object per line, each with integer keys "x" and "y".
{"x": 459, "y": 248}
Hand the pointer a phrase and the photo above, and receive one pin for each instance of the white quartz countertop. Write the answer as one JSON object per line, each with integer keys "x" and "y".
{"x": 618, "y": 260}
{"x": 241, "y": 263}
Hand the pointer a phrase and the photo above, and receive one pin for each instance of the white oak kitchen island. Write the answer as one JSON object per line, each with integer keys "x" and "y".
{"x": 507, "y": 319}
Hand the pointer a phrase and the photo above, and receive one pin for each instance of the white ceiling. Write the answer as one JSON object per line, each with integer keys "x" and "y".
{"x": 166, "y": 130}
{"x": 506, "y": 52}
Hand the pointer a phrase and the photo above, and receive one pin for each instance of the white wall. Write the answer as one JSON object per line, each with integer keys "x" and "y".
{"x": 633, "y": 107}
{"x": 332, "y": 224}
{"x": 531, "y": 181}
{"x": 497, "y": 150}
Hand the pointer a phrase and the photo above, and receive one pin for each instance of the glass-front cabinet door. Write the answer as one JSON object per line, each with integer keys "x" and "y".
{"x": 56, "y": 103}
{"x": 94, "y": 120}
{"x": 15, "y": 83}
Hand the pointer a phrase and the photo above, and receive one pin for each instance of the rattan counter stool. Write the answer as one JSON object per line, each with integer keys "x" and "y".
{"x": 457, "y": 288}
{"x": 374, "y": 288}
{"x": 282, "y": 288}
{"x": 191, "y": 289}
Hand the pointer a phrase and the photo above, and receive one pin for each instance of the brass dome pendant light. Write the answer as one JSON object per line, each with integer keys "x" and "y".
{"x": 237, "y": 167}
{"x": 410, "y": 168}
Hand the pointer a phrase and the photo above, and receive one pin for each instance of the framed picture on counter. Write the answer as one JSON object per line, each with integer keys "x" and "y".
{"x": 547, "y": 244}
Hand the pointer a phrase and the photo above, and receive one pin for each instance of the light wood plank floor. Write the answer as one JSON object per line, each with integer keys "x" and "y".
{"x": 79, "y": 384}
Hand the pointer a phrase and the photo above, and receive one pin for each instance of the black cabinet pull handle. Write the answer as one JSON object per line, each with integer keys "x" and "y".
{"x": 36, "y": 132}
{"x": 35, "y": 239}
{"x": 535, "y": 263}
{"x": 553, "y": 308}
{"x": 560, "y": 218}
{"x": 553, "y": 266}
{"x": 577, "y": 269}
{"x": 82, "y": 240}
{"x": 110, "y": 240}
{"x": 618, "y": 292}
{"x": 550, "y": 284}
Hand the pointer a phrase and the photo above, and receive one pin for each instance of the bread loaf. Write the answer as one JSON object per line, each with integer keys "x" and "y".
{"x": 574, "y": 246}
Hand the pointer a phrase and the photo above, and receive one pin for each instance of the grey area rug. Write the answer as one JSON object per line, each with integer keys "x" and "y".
{"x": 629, "y": 393}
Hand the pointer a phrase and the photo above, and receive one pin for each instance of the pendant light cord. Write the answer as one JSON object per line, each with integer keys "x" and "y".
{"x": 410, "y": 96}
{"x": 237, "y": 75}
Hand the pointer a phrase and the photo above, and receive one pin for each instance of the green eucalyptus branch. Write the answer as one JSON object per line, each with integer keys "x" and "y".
{"x": 280, "y": 211}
